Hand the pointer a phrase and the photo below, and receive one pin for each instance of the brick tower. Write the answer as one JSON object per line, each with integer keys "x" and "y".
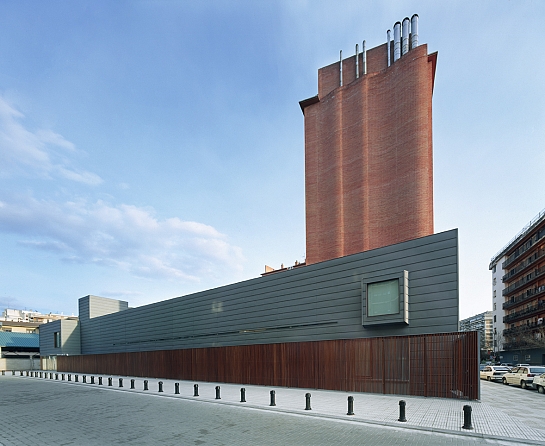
{"x": 368, "y": 149}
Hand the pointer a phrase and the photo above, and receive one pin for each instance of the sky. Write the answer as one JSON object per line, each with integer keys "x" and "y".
{"x": 151, "y": 149}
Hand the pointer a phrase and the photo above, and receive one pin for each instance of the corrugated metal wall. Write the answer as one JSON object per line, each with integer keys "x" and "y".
{"x": 314, "y": 302}
{"x": 438, "y": 365}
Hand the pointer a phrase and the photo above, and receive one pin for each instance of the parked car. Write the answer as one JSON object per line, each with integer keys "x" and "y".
{"x": 539, "y": 383}
{"x": 522, "y": 376}
{"x": 494, "y": 372}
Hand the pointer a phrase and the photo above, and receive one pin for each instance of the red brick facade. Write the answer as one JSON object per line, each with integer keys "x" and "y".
{"x": 368, "y": 155}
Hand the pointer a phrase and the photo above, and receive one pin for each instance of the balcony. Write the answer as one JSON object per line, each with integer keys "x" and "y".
{"x": 529, "y": 261}
{"x": 525, "y": 312}
{"x": 524, "y": 281}
{"x": 523, "y": 297}
{"x": 521, "y": 329}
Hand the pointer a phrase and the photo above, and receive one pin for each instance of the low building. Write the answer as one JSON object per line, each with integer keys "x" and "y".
{"x": 19, "y": 351}
{"x": 521, "y": 264}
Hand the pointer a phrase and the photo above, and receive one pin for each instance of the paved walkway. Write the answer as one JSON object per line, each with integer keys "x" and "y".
{"x": 423, "y": 414}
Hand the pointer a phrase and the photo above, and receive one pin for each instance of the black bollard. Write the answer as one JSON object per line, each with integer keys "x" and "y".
{"x": 273, "y": 398}
{"x": 84, "y": 379}
{"x": 100, "y": 380}
{"x": 3, "y": 372}
{"x": 110, "y": 381}
{"x": 307, "y": 398}
{"x": 145, "y": 384}
{"x": 50, "y": 375}
{"x": 242, "y": 395}
{"x": 27, "y": 373}
{"x": 62, "y": 377}
{"x": 76, "y": 378}
{"x": 41, "y": 374}
{"x": 177, "y": 388}
{"x": 92, "y": 379}
{"x": 57, "y": 376}
{"x": 69, "y": 377}
{"x": 120, "y": 382}
{"x": 218, "y": 397}
{"x": 467, "y": 418}
{"x": 13, "y": 372}
{"x": 21, "y": 373}
{"x": 196, "y": 390}
{"x": 402, "y": 405}
{"x": 350, "y": 405}
{"x": 132, "y": 383}
{"x": 160, "y": 386}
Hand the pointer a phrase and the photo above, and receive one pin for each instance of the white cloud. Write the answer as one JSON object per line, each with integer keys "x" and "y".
{"x": 126, "y": 237}
{"x": 36, "y": 153}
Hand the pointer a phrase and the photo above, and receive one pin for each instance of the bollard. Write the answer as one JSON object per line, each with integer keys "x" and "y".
{"x": 57, "y": 376}
{"x": 273, "y": 398}
{"x": 100, "y": 380}
{"x": 3, "y": 372}
{"x": 218, "y": 393}
{"x": 13, "y": 372}
{"x": 27, "y": 373}
{"x": 92, "y": 379}
{"x": 41, "y": 374}
{"x": 307, "y": 398}
{"x": 50, "y": 375}
{"x": 467, "y": 418}
{"x": 21, "y": 373}
{"x": 145, "y": 384}
{"x": 110, "y": 381}
{"x": 84, "y": 379}
{"x": 196, "y": 390}
{"x": 402, "y": 405}
{"x": 69, "y": 377}
{"x": 160, "y": 386}
{"x": 32, "y": 374}
{"x": 242, "y": 395}
{"x": 62, "y": 377}
{"x": 76, "y": 378}
{"x": 132, "y": 383}
{"x": 350, "y": 405}
{"x": 177, "y": 388}
{"x": 120, "y": 382}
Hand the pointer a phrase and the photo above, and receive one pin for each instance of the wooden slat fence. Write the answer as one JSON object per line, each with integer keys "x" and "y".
{"x": 438, "y": 365}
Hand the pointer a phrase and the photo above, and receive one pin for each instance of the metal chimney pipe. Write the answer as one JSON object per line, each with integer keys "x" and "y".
{"x": 364, "y": 58}
{"x": 397, "y": 41}
{"x": 414, "y": 31}
{"x": 341, "y": 68}
{"x": 405, "y": 36}
{"x": 388, "y": 46}
{"x": 357, "y": 63}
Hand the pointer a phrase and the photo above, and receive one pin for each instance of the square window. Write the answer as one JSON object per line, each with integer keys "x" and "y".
{"x": 385, "y": 299}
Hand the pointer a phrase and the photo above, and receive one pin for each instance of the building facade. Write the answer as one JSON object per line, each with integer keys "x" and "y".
{"x": 521, "y": 264}
{"x": 368, "y": 149}
{"x": 482, "y": 323}
{"x": 374, "y": 308}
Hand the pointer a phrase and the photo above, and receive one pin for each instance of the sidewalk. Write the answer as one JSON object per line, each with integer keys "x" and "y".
{"x": 427, "y": 414}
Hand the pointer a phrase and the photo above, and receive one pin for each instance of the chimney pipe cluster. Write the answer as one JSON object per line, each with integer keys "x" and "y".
{"x": 402, "y": 33}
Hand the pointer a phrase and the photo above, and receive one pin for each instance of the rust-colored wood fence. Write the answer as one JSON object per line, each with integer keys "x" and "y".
{"x": 439, "y": 365}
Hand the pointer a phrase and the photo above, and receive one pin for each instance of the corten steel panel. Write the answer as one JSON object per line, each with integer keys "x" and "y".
{"x": 439, "y": 365}
{"x": 368, "y": 156}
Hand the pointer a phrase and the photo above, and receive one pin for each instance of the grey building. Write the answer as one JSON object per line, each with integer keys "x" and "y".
{"x": 482, "y": 323}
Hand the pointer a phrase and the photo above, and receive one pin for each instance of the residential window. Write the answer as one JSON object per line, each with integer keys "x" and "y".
{"x": 494, "y": 269}
{"x": 494, "y": 281}
{"x": 57, "y": 339}
{"x": 494, "y": 293}
{"x": 515, "y": 357}
{"x": 494, "y": 318}
{"x": 494, "y": 306}
{"x": 527, "y": 358}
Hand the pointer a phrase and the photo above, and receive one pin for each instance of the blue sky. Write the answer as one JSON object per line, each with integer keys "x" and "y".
{"x": 149, "y": 149}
